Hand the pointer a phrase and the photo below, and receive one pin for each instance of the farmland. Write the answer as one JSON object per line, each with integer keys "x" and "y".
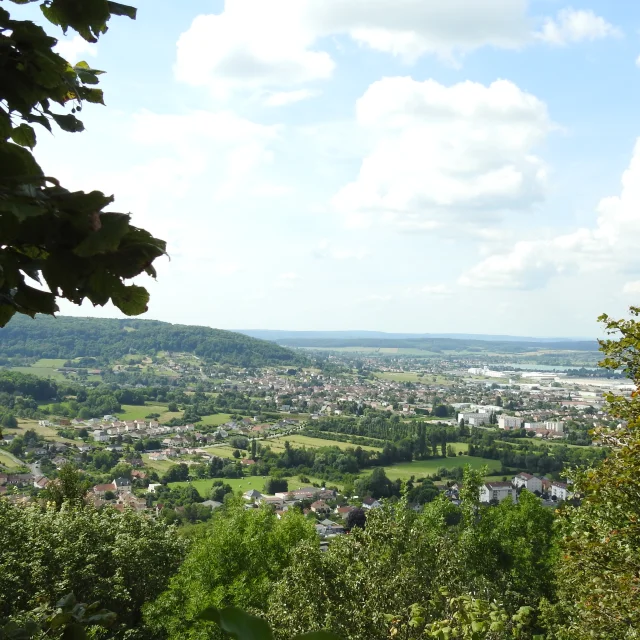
{"x": 421, "y": 468}
{"x": 241, "y": 484}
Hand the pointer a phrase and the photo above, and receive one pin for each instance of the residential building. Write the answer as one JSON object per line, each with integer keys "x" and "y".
{"x": 474, "y": 419}
{"x": 557, "y": 426}
{"x": 496, "y": 491}
{"x": 371, "y": 503}
{"x": 510, "y": 422}
{"x": 529, "y": 482}
{"x": 320, "y": 506}
{"x": 560, "y": 491}
{"x": 123, "y": 485}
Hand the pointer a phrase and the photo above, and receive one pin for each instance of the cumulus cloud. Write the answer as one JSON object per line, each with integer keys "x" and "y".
{"x": 258, "y": 44}
{"x": 441, "y": 155}
{"x": 221, "y": 144}
{"x": 72, "y": 49}
{"x": 572, "y": 26}
{"x": 608, "y": 246}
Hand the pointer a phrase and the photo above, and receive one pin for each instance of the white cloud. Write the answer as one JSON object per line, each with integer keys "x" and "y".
{"x": 638, "y": 61}
{"x": 221, "y": 144}
{"x": 257, "y": 44}
{"x": 632, "y": 287}
{"x": 573, "y": 25}
{"x": 445, "y": 155}
{"x": 284, "y": 98}
{"x": 609, "y": 246}
{"x": 72, "y": 48}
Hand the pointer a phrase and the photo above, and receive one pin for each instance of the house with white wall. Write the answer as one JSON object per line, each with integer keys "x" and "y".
{"x": 496, "y": 491}
{"x": 529, "y": 482}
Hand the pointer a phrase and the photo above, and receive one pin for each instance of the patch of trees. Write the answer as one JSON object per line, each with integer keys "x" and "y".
{"x": 109, "y": 339}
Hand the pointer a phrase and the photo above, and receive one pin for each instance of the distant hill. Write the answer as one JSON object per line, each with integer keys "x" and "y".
{"x": 70, "y": 337}
{"x": 434, "y": 343}
{"x": 278, "y": 335}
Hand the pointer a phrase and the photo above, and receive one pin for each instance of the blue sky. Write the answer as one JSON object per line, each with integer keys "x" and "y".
{"x": 399, "y": 165}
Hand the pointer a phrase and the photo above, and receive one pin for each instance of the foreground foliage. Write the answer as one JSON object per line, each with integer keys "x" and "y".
{"x": 119, "y": 560}
{"x": 62, "y": 239}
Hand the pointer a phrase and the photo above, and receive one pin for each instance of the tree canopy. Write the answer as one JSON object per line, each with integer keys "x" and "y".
{"x": 66, "y": 242}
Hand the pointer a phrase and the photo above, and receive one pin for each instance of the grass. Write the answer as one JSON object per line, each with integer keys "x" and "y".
{"x": 138, "y": 412}
{"x": 215, "y": 420}
{"x": 160, "y": 466}
{"x": 41, "y": 372}
{"x": 418, "y": 468}
{"x": 241, "y": 484}
{"x": 46, "y": 432}
{"x": 8, "y": 462}
{"x": 222, "y": 451}
{"x": 314, "y": 443}
{"x": 50, "y": 362}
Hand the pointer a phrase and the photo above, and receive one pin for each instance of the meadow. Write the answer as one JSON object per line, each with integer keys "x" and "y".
{"x": 277, "y": 444}
{"x": 242, "y": 484}
{"x": 8, "y": 462}
{"x": 421, "y": 468}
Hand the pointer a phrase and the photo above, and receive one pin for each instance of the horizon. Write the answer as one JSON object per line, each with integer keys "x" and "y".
{"x": 424, "y": 170}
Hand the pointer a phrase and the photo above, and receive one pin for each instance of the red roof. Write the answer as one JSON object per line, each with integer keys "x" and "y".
{"x": 104, "y": 487}
{"x": 247, "y": 461}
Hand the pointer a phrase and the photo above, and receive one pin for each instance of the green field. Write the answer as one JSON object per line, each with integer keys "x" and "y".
{"x": 160, "y": 466}
{"x": 277, "y": 444}
{"x": 222, "y": 451}
{"x": 215, "y": 420}
{"x": 138, "y": 412}
{"x": 418, "y": 468}
{"x": 46, "y": 432}
{"x": 41, "y": 372}
{"x": 8, "y": 462}
{"x": 241, "y": 484}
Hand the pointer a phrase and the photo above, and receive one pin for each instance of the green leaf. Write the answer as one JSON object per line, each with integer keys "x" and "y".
{"x": 118, "y": 9}
{"x": 318, "y": 635}
{"x": 113, "y": 228}
{"x": 210, "y": 614}
{"x": 68, "y": 122}
{"x": 74, "y": 631}
{"x": 238, "y": 624}
{"x": 24, "y": 135}
{"x": 95, "y": 96}
{"x": 131, "y": 300}
{"x": 35, "y": 301}
{"x": 6, "y": 313}
{"x": 17, "y": 162}
{"x": 5, "y": 125}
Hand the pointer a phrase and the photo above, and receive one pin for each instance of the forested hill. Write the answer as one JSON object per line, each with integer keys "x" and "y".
{"x": 68, "y": 337}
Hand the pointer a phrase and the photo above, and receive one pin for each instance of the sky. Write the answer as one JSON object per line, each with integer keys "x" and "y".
{"x": 392, "y": 165}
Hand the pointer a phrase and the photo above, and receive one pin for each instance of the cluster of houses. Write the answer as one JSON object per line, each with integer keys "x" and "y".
{"x": 499, "y": 491}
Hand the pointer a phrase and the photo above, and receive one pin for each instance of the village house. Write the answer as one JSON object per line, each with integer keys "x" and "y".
{"x": 496, "y": 491}
{"x": 100, "y": 489}
{"x": 123, "y": 485}
{"x": 371, "y": 503}
{"x": 560, "y": 491}
{"x": 529, "y": 482}
{"x": 320, "y": 507}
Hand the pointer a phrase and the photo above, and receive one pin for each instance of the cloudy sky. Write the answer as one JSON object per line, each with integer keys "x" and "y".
{"x": 399, "y": 165}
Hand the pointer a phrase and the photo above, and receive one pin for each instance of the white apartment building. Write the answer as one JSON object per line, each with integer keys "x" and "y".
{"x": 529, "y": 482}
{"x": 474, "y": 419}
{"x": 560, "y": 490}
{"x": 496, "y": 491}
{"x": 509, "y": 422}
{"x": 557, "y": 426}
